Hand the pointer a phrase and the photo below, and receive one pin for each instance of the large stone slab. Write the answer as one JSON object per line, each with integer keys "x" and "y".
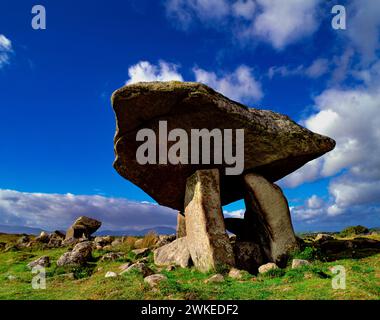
{"x": 82, "y": 227}
{"x": 267, "y": 220}
{"x": 206, "y": 236}
{"x": 274, "y": 145}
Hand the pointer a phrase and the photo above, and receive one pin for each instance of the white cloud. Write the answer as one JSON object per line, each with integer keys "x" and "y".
{"x": 244, "y": 9}
{"x": 278, "y": 22}
{"x": 234, "y": 214}
{"x": 316, "y": 69}
{"x": 144, "y": 71}
{"x": 239, "y": 85}
{"x": 58, "y": 211}
{"x": 183, "y": 12}
{"x": 363, "y": 28}
{"x": 5, "y": 50}
{"x": 284, "y": 22}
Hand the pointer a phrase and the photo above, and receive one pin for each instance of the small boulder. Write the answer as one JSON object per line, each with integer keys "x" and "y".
{"x": 44, "y": 261}
{"x": 215, "y": 278}
{"x": 43, "y": 237}
{"x": 80, "y": 254}
{"x": 124, "y": 266}
{"x": 112, "y": 256}
{"x": 267, "y": 267}
{"x": 110, "y": 274}
{"x": 154, "y": 279}
{"x": 139, "y": 267}
{"x": 23, "y": 240}
{"x": 174, "y": 253}
{"x": 235, "y": 273}
{"x": 297, "y": 263}
{"x": 323, "y": 237}
{"x": 103, "y": 241}
{"x": 140, "y": 253}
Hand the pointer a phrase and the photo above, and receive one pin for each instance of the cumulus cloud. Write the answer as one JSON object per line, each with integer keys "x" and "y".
{"x": 145, "y": 71}
{"x": 234, "y": 214}
{"x": 58, "y": 211}
{"x": 283, "y": 22}
{"x": 277, "y": 22}
{"x": 239, "y": 85}
{"x": 5, "y": 50}
{"x": 316, "y": 69}
{"x": 364, "y": 28}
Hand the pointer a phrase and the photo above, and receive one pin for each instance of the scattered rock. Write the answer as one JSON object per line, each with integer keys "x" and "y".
{"x": 116, "y": 242}
{"x": 154, "y": 279}
{"x": 170, "y": 268}
{"x": 124, "y": 266}
{"x": 112, "y": 256}
{"x": 140, "y": 253}
{"x": 267, "y": 267}
{"x": 215, "y": 278}
{"x": 103, "y": 241}
{"x": 23, "y": 240}
{"x": 79, "y": 256}
{"x": 235, "y": 273}
{"x": 164, "y": 240}
{"x": 83, "y": 227}
{"x": 323, "y": 237}
{"x": 140, "y": 267}
{"x": 297, "y": 263}
{"x": 43, "y": 237}
{"x": 110, "y": 274}
{"x": 176, "y": 253}
{"x": 44, "y": 261}
{"x": 11, "y": 277}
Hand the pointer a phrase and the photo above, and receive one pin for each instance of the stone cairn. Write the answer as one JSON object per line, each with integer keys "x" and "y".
{"x": 274, "y": 146}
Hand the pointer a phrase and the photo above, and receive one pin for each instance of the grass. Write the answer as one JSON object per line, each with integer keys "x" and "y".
{"x": 308, "y": 282}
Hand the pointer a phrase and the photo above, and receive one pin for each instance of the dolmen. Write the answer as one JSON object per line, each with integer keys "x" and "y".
{"x": 194, "y": 150}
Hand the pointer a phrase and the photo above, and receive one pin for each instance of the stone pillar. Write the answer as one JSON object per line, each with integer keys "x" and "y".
{"x": 268, "y": 219}
{"x": 206, "y": 235}
{"x": 181, "y": 225}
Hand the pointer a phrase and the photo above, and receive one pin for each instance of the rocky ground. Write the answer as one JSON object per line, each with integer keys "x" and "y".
{"x": 124, "y": 268}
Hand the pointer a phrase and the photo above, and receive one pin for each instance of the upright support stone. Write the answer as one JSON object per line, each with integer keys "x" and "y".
{"x": 181, "y": 225}
{"x": 268, "y": 218}
{"x": 206, "y": 235}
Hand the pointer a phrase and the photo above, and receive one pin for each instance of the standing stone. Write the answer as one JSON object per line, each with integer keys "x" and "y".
{"x": 206, "y": 236}
{"x": 181, "y": 225}
{"x": 267, "y": 218}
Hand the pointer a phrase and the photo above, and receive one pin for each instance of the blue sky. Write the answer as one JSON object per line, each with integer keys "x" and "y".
{"x": 57, "y": 124}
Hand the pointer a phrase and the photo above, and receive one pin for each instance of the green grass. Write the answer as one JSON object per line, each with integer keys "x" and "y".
{"x": 308, "y": 282}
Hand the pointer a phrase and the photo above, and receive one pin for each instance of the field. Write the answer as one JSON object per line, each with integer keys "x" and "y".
{"x": 308, "y": 282}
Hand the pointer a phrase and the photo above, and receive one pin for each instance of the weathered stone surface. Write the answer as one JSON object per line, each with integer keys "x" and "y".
{"x": 235, "y": 273}
{"x": 248, "y": 256}
{"x": 267, "y": 267}
{"x": 139, "y": 267}
{"x": 215, "y": 278}
{"x": 140, "y": 253}
{"x": 103, "y": 241}
{"x": 323, "y": 237}
{"x": 44, "y": 261}
{"x": 176, "y": 253}
{"x": 43, "y": 237}
{"x": 181, "y": 225}
{"x": 110, "y": 274}
{"x": 83, "y": 227}
{"x": 267, "y": 219}
{"x": 274, "y": 145}
{"x": 206, "y": 236}
{"x": 164, "y": 239}
{"x": 154, "y": 279}
{"x": 297, "y": 263}
{"x": 112, "y": 256}
{"x": 79, "y": 256}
